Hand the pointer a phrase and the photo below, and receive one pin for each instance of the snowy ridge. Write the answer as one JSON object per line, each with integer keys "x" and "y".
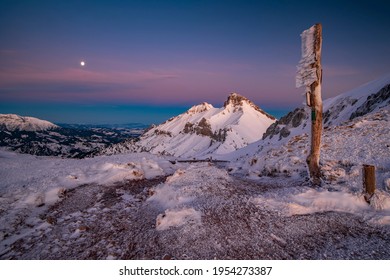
{"x": 367, "y": 98}
{"x": 204, "y": 130}
{"x": 12, "y": 122}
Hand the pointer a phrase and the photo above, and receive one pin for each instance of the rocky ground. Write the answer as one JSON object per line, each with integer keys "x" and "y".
{"x": 121, "y": 222}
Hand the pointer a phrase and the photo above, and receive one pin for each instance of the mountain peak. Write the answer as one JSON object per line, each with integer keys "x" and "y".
{"x": 200, "y": 108}
{"x": 237, "y": 100}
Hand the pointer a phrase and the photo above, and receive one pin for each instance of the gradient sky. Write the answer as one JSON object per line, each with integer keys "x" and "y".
{"x": 149, "y": 60}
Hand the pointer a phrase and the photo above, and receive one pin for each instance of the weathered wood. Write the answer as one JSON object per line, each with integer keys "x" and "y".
{"x": 369, "y": 182}
{"x": 313, "y": 160}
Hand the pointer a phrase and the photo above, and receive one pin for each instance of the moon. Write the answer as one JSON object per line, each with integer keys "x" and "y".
{"x": 82, "y": 63}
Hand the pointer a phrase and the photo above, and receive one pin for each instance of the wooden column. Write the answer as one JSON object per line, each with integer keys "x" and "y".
{"x": 309, "y": 75}
{"x": 313, "y": 160}
{"x": 368, "y": 181}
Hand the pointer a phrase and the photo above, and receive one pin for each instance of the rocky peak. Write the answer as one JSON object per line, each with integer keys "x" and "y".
{"x": 236, "y": 100}
{"x": 200, "y": 108}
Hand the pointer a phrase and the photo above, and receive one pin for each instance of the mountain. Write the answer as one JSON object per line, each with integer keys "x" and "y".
{"x": 38, "y": 137}
{"x": 204, "y": 130}
{"x": 13, "y": 122}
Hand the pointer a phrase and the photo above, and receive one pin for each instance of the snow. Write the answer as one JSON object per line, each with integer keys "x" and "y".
{"x": 178, "y": 196}
{"x": 323, "y": 200}
{"x": 42, "y": 173}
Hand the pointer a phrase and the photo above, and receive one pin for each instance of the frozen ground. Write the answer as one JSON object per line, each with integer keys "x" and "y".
{"x": 199, "y": 212}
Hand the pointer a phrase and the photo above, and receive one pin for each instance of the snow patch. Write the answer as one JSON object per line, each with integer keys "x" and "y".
{"x": 168, "y": 196}
{"x": 313, "y": 201}
{"x": 176, "y": 218}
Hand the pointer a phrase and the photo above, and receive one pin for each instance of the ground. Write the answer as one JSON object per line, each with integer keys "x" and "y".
{"x": 200, "y": 212}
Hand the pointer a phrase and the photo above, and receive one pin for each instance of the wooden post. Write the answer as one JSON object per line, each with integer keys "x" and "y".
{"x": 310, "y": 75}
{"x": 368, "y": 181}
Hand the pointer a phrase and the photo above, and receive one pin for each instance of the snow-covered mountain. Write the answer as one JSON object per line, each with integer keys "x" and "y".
{"x": 12, "y": 122}
{"x": 204, "y": 130}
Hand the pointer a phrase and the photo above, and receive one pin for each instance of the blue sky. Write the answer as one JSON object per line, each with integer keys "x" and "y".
{"x": 149, "y": 60}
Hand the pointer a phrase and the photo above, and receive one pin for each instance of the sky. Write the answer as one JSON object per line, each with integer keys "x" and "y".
{"x": 146, "y": 61}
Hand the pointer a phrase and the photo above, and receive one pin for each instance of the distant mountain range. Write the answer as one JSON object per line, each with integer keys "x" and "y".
{"x": 39, "y": 137}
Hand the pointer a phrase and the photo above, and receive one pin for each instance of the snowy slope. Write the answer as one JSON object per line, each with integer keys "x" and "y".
{"x": 370, "y": 97}
{"x": 204, "y": 130}
{"x": 13, "y": 122}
